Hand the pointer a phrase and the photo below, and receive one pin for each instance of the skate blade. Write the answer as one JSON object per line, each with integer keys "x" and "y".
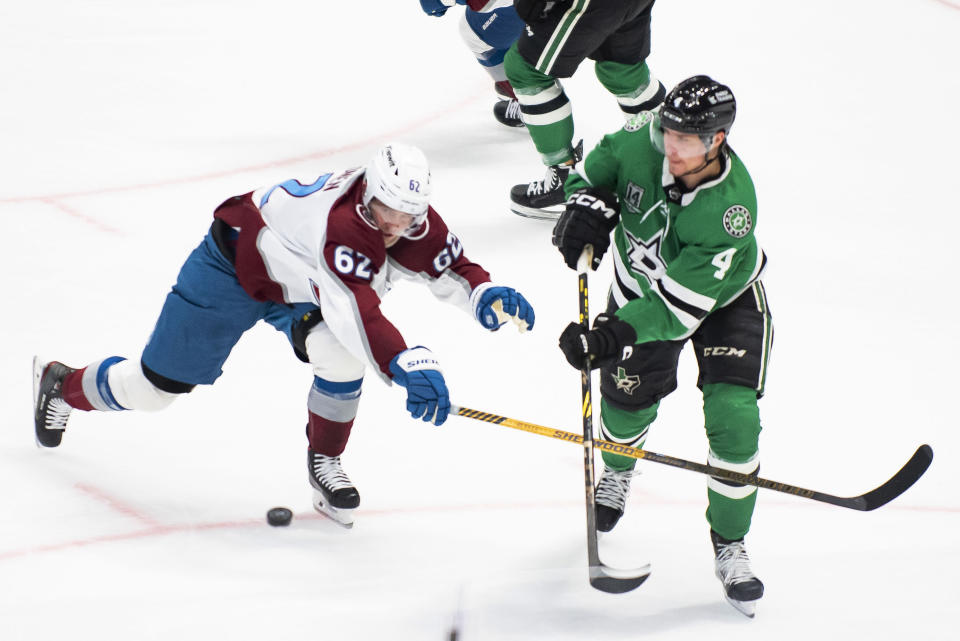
{"x": 37, "y": 375}
{"x": 746, "y": 608}
{"x": 341, "y": 517}
{"x": 536, "y": 214}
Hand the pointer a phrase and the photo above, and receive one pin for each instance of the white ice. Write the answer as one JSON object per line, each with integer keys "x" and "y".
{"x": 123, "y": 124}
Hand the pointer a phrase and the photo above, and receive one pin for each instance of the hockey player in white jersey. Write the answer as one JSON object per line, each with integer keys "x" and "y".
{"x": 313, "y": 259}
{"x": 488, "y": 28}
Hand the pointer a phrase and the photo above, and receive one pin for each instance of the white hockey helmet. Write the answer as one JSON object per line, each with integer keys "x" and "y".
{"x": 398, "y": 176}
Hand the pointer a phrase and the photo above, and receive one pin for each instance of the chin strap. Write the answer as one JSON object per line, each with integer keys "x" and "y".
{"x": 706, "y": 163}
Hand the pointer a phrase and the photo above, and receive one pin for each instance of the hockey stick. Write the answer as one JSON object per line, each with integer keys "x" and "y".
{"x": 602, "y": 577}
{"x": 894, "y": 487}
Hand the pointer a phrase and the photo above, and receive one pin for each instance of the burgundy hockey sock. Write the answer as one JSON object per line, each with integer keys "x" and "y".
{"x": 327, "y": 437}
{"x": 72, "y": 390}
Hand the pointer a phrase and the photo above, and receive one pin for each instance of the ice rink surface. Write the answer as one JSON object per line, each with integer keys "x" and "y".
{"x": 123, "y": 124}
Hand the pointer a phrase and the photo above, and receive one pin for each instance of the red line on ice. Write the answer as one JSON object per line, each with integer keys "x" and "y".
{"x": 369, "y": 141}
{"x": 70, "y": 211}
{"x": 161, "y": 530}
{"x": 117, "y": 505}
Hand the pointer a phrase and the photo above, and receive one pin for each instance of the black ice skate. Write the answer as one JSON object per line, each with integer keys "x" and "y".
{"x": 543, "y": 199}
{"x": 333, "y": 492}
{"x": 740, "y": 587}
{"x": 50, "y": 411}
{"x": 612, "y": 492}
{"x": 507, "y": 112}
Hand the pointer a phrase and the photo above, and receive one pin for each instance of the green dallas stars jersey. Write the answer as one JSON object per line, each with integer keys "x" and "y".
{"x": 678, "y": 255}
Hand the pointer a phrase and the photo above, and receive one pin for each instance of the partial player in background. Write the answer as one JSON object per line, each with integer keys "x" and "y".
{"x": 683, "y": 210}
{"x": 488, "y": 27}
{"x": 313, "y": 259}
{"x": 558, "y": 37}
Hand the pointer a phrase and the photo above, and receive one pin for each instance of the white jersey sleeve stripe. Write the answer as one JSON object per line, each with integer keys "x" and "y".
{"x": 625, "y": 278}
{"x": 689, "y": 321}
{"x": 687, "y": 295}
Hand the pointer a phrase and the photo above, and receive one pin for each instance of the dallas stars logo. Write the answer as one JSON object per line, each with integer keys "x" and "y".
{"x": 645, "y": 257}
{"x": 625, "y": 383}
{"x": 737, "y": 221}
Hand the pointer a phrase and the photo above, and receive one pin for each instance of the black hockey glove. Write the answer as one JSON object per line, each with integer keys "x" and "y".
{"x": 602, "y": 345}
{"x": 588, "y": 218}
{"x": 298, "y": 333}
{"x": 537, "y": 10}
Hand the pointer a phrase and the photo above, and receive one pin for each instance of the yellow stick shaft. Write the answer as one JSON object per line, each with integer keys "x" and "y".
{"x": 570, "y": 437}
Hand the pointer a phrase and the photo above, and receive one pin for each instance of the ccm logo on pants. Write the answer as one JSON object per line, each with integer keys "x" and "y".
{"x": 724, "y": 351}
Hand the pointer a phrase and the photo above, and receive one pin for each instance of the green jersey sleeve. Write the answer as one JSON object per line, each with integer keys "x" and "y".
{"x": 599, "y": 169}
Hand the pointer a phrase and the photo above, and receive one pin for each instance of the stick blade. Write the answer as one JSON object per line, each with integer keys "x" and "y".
{"x": 616, "y": 581}
{"x": 909, "y": 474}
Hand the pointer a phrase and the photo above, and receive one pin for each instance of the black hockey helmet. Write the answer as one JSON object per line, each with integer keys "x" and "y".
{"x": 699, "y": 105}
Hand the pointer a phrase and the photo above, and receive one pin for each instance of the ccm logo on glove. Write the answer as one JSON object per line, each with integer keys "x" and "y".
{"x": 585, "y": 199}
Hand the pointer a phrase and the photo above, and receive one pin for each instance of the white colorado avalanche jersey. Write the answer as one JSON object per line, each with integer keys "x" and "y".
{"x": 302, "y": 242}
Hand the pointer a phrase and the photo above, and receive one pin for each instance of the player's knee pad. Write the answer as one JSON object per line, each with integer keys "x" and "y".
{"x": 732, "y": 421}
{"x": 132, "y": 390}
{"x": 330, "y": 359}
{"x": 647, "y": 374}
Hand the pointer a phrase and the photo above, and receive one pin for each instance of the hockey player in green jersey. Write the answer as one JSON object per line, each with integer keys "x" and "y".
{"x": 682, "y": 209}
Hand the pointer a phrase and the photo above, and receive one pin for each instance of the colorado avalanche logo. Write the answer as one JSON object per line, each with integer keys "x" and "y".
{"x": 737, "y": 221}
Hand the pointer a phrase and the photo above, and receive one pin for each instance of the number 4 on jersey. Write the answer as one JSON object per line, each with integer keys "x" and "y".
{"x": 722, "y": 262}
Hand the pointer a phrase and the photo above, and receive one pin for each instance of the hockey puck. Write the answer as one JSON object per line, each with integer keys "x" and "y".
{"x": 279, "y": 516}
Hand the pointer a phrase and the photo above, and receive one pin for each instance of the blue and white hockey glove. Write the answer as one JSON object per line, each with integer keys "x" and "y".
{"x": 436, "y": 7}
{"x": 494, "y": 305}
{"x": 427, "y": 397}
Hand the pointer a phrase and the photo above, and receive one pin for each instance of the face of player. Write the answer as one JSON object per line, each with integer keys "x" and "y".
{"x": 391, "y": 222}
{"x": 685, "y": 152}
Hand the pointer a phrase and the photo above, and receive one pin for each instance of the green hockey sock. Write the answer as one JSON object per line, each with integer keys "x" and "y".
{"x": 626, "y": 427}
{"x": 733, "y": 427}
{"x": 547, "y": 112}
{"x": 633, "y": 85}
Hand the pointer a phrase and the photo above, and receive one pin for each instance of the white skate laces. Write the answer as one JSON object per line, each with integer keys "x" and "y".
{"x": 327, "y": 470}
{"x": 513, "y": 110}
{"x": 56, "y": 414}
{"x": 551, "y": 181}
{"x": 614, "y": 488}
{"x": 733, "y": 563}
